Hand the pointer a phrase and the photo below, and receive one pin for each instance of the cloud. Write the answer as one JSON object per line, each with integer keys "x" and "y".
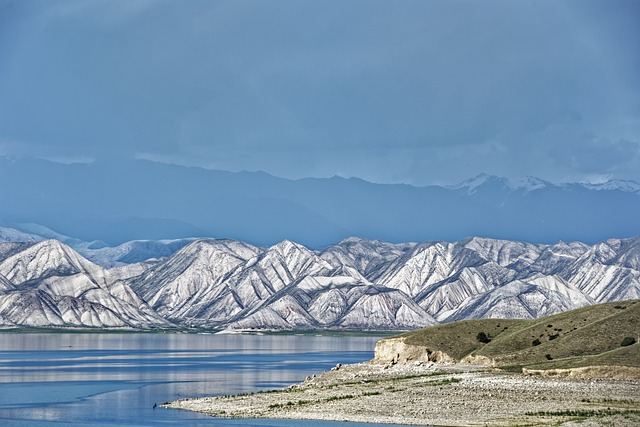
{"x": 104, "y": 14}
{"x": 592, "y": 154}
{"x": 390, "y": 91}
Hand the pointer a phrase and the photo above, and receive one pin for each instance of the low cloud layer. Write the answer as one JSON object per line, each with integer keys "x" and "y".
{"x": 412, "y": 91}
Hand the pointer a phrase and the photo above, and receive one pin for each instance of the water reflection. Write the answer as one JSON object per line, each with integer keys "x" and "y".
{"x": 115, "y": 379}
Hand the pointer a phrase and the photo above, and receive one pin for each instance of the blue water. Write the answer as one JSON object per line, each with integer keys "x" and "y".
{"x": 76, "y": 379}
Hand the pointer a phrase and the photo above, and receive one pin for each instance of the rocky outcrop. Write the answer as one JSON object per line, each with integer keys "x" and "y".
{"x": 396, "y": 350}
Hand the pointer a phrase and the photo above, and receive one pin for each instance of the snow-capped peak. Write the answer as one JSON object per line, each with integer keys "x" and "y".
{"x": 525, "y": 184}
{"x": 13, "y": 235}
{"x": 528, "y": 183}
{"x": 615, "y": 185}
{"x": 44, "y": 259}
{"x": 471, "y": 186}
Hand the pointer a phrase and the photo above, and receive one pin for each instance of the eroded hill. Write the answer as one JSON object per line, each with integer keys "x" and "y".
{"x": 598, "y": 335}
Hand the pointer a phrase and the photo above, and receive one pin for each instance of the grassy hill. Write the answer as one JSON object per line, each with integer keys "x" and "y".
{"x": 585, "y": 337}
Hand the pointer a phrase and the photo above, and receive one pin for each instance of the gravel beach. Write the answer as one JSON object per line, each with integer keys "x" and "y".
{"x": 436, "y": 395}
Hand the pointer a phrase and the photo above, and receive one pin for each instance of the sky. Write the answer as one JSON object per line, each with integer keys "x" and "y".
{"x": 400, "y": 91}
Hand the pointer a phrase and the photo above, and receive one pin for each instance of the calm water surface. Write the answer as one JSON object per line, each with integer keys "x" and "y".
{"x": 115, "y": 379}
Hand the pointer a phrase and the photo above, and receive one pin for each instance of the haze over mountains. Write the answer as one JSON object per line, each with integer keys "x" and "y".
{"x": 146, "y": 200}
{"x": 354, "y": 284}
{"x": 90, "y": 247}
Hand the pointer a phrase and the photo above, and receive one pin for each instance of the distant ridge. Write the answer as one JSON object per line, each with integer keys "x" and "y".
{"x": 154, "y": 201}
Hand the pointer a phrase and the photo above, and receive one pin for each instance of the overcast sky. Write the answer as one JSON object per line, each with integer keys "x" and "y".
{"x": 390, "y": 91}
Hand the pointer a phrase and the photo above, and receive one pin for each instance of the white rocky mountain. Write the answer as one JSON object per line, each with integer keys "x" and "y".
{"x": 132, "y": 252}
{"x": 607, "y": 271}
{"x": 97, "y": 252}
{"x": 529, "y": 183}
{"x": 336, "y": 302}
{"x": 286, "y": 286}
{"x": 498, "y": 278}
{"x": 354, "y": 284}
{"x": 193, "y": 286}
{"x": 366, "y": 258}
{"x": 49, "y": 284}
{"x": 616, "y": 185}
{"x": 12, "y": 235}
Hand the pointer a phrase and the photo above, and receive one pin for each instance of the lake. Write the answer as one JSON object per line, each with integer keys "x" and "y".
{"x": 108, "y": 379}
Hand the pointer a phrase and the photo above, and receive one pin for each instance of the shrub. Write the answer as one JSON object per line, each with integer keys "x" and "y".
{"x": 535, "y": 342}
{"x": 548, "y": 356}
{"x": 483, "y": 338}
{"x": 627, "y": 341}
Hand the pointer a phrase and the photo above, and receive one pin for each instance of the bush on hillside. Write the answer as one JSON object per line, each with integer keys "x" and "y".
{"x": 627, "y": 341}
{"x": 483, "y": 338}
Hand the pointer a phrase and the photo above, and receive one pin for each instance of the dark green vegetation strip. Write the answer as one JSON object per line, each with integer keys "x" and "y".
{"x": 303, "y": 402}
{"x": 382, "y": 380}
{"x": 338, "y": 397}
{"x": 443, "y": 382}
{"x": 612, "y": 402}
{"x": 584, "y": 413}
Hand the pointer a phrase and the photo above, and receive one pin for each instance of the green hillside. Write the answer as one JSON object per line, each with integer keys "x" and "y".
{"x": 588, "y": 336}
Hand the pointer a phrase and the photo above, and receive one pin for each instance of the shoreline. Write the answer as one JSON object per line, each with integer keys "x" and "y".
{"x": 435, "y": 395}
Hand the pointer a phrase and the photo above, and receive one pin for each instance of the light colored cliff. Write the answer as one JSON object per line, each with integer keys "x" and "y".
{"x": 396, "y": 350}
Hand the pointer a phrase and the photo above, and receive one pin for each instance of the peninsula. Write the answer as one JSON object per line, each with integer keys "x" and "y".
{"x": 579, "y": 366}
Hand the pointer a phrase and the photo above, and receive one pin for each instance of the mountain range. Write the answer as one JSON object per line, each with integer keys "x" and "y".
{"x": 113, "y": 202}
{"x": 354, "y": 284}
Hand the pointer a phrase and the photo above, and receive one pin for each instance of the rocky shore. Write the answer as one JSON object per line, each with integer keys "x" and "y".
{"x": 437, "y": 394}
